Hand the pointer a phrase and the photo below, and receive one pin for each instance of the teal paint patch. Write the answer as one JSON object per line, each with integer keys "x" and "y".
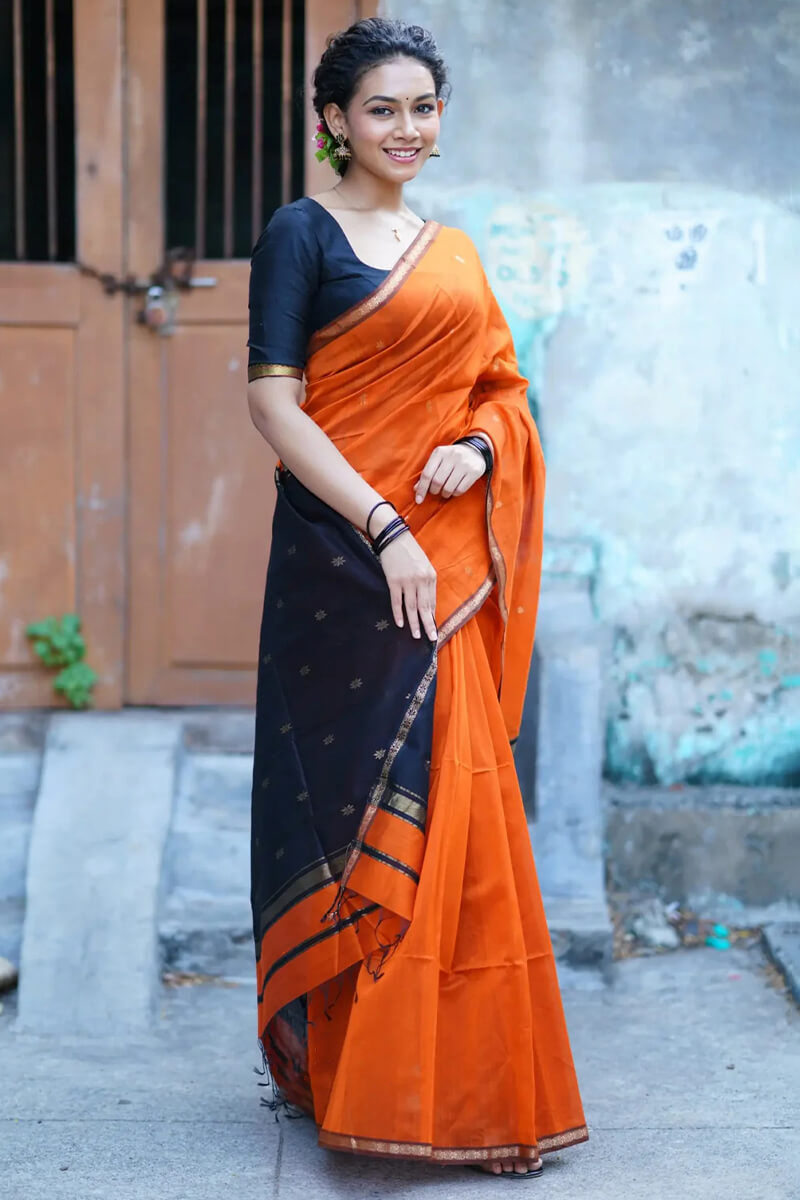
{"x": 706, "y": 701}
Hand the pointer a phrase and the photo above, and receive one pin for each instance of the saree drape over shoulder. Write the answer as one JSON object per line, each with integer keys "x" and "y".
{"x": 407, "y": 990}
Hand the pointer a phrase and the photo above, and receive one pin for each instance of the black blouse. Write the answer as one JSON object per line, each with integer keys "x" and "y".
{"x": 303, "y": 274}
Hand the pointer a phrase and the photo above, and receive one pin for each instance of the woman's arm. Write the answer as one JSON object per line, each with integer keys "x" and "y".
{"x": 311, "y": 456}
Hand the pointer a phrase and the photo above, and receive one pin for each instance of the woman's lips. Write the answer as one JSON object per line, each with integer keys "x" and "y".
{"x": 406, "y": 155}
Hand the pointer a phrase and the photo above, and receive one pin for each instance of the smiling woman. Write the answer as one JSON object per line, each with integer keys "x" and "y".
{"x": 407, "y": 993}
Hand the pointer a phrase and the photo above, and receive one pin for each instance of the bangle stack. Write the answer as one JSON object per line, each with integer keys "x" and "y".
{"x": 395, "y": 529}
{"x": 483, "y": 448}
{"x": 390, "y": 532}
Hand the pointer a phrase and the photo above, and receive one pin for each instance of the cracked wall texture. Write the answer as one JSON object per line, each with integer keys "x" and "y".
{"x": 629, "y": 172}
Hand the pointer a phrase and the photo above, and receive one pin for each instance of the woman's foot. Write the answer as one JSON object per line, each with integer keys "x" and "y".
{"x": 521, "y": 1166}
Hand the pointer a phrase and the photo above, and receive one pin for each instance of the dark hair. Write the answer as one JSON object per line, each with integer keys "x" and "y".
{"x": 349, "y": 55}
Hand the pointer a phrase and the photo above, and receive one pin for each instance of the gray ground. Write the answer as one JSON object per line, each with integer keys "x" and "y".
{"x": 689, "y": 1067}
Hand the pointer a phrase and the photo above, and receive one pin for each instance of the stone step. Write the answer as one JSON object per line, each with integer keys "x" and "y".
{"x": 21, "y": 745}
{"x": 89, "y": 962}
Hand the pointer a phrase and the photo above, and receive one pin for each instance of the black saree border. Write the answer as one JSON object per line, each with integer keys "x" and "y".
{"x": 305, "y": 883}
{"x": 383, "y": 784}
{"x": 399, "y": 273}
{"x": 310, "y": 942}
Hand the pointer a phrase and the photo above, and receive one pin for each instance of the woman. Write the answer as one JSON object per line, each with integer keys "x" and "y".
{"x": 407, "y": 992}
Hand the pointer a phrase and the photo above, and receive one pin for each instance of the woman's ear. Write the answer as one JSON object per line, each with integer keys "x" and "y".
{"x": 334, "y": 119}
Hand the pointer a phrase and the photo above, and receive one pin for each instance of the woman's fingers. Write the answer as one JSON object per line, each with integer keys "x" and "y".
{"x": 450, "y": 471}
{"x": 456, "y": 485}
{"x": 396, "y": 594}
{"x": 428, "y": 610}
{"x": 424, "y": 481}
{"x": 412, "y": 610}
{"x": 441, "y": 476}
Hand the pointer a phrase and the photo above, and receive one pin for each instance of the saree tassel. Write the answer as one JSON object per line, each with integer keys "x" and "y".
{"x": 334, "y": 913}
{"x": 276, "y": 1102}
{"x": 384, "y": 951}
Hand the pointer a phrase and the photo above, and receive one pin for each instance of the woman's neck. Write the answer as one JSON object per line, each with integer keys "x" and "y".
{"x": 361, "y": 189}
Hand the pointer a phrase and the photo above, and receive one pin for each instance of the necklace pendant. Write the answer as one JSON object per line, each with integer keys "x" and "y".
{"x": 396, "y": 233}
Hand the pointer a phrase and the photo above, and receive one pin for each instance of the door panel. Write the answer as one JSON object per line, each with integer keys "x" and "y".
{"x": 200, "y": 476}
{"x": 61, "y": 345}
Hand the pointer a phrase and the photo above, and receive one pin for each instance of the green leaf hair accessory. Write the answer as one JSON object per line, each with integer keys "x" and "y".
{"x": 328, "y": 148}
{"x": 325, "y": 144}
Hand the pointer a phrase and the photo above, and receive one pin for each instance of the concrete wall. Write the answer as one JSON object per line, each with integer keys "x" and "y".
{"x": 630, "y": 174}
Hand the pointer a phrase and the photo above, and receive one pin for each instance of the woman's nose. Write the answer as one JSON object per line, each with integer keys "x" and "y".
{"x": 406, "y": 125}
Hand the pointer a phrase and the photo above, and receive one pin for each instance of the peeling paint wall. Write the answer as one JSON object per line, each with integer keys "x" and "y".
{"x": 630, "y": 174}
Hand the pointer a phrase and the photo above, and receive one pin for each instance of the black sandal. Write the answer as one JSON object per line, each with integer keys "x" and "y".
{"x": 508, "y": 1174}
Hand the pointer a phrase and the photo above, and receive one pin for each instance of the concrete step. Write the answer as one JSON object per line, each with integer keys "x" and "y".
{"x": 741, "y": 843}
{"x": 89, "y": 962}
{"x": 21, "y": 746}
{"x": 204, "y": 921}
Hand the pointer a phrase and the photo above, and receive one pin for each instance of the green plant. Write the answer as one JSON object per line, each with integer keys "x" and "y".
{"x": 60, "y": 645}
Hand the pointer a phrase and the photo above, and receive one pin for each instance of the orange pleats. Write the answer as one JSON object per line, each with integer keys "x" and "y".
{"x": 459, "y": 1051}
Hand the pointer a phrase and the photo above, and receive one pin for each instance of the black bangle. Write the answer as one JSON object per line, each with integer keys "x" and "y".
{"x": 395, "y": 523}
{"x": 391, "y": 538}
{"x": 483, "y": 448}
{"x": 374, "y": 508}
{"x": 393, "y": 530}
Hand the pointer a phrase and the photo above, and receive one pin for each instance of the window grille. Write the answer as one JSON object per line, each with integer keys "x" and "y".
{"x": 37, "y": 131}
{"x": 234, "y": 135}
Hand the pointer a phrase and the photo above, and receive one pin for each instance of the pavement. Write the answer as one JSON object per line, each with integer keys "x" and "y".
{"x": 689, "y": 1065}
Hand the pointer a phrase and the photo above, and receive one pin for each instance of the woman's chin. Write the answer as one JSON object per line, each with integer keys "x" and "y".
{"x": 396, "y": 172}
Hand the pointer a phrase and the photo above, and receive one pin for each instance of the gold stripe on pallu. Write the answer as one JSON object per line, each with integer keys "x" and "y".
{"x": 310, "y": 880}
{"x": 454, "y": 1154}
{"x": 382, "y": 294}
{"x": 403, "y": 806}
{"x": 497, "y": 556}
{"x": 382, "y": 786}
{"x": 268, "y": 370}
{"x": 464, "y": 611}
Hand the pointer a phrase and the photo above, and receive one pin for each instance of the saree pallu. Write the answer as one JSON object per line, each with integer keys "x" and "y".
{"x": 407, "y": 991}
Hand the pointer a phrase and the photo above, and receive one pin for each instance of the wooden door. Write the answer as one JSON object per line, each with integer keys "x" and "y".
{"x": 133, "y": 489}
{"x": 211, "y": 154}
{"x": 61, "y": 338}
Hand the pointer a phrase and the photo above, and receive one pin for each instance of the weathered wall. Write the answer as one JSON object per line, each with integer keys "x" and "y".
{"x": 630, "y": 174}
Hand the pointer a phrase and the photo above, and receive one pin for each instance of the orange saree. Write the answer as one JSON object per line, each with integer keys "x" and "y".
{"x": 407, "y": 990}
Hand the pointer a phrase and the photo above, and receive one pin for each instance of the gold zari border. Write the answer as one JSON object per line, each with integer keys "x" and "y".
{"x": 382, "y": 294}
{"x": 454, "y": 1154}
{"x": 268, "y": 370}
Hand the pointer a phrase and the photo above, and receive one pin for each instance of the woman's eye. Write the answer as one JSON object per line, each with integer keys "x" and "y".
{"x": 379, "y": 112}
{"x": 425, "y": 108}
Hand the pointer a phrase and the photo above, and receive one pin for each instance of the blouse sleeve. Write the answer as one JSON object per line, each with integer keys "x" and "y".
{"x": 284, "y": 277}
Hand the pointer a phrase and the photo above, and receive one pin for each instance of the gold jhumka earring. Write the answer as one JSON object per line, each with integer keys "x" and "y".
{"x": 435, "y": 152}
{"x": 342, "y": 150}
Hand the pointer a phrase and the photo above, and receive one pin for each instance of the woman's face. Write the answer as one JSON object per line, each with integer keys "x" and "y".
{"x": 392, "y": 121}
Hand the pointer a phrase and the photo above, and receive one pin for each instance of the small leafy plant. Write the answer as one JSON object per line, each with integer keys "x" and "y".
{"x": 60, "y": 645}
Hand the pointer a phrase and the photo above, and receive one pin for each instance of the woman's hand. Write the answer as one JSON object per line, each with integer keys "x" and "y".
{"x": 412, "y": 583}
{"x": 450, "y": 471}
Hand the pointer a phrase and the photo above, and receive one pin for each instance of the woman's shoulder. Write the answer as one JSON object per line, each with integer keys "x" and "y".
{"x": 460, "y": 242}
{"x": 291, "y": 223}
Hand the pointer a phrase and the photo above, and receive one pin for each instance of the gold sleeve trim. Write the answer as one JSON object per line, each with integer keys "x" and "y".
{"x": 265, "y": 370}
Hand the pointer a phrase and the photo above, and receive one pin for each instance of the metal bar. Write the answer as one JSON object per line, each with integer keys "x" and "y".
{"x": 19, "y": 133}
{"x": 200, "y": 129}
{"x": 257, "y": 153}
{"x": 286, "y": 103}
{"x": 52, "y": 182}
{"x": 228, "y": 148}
